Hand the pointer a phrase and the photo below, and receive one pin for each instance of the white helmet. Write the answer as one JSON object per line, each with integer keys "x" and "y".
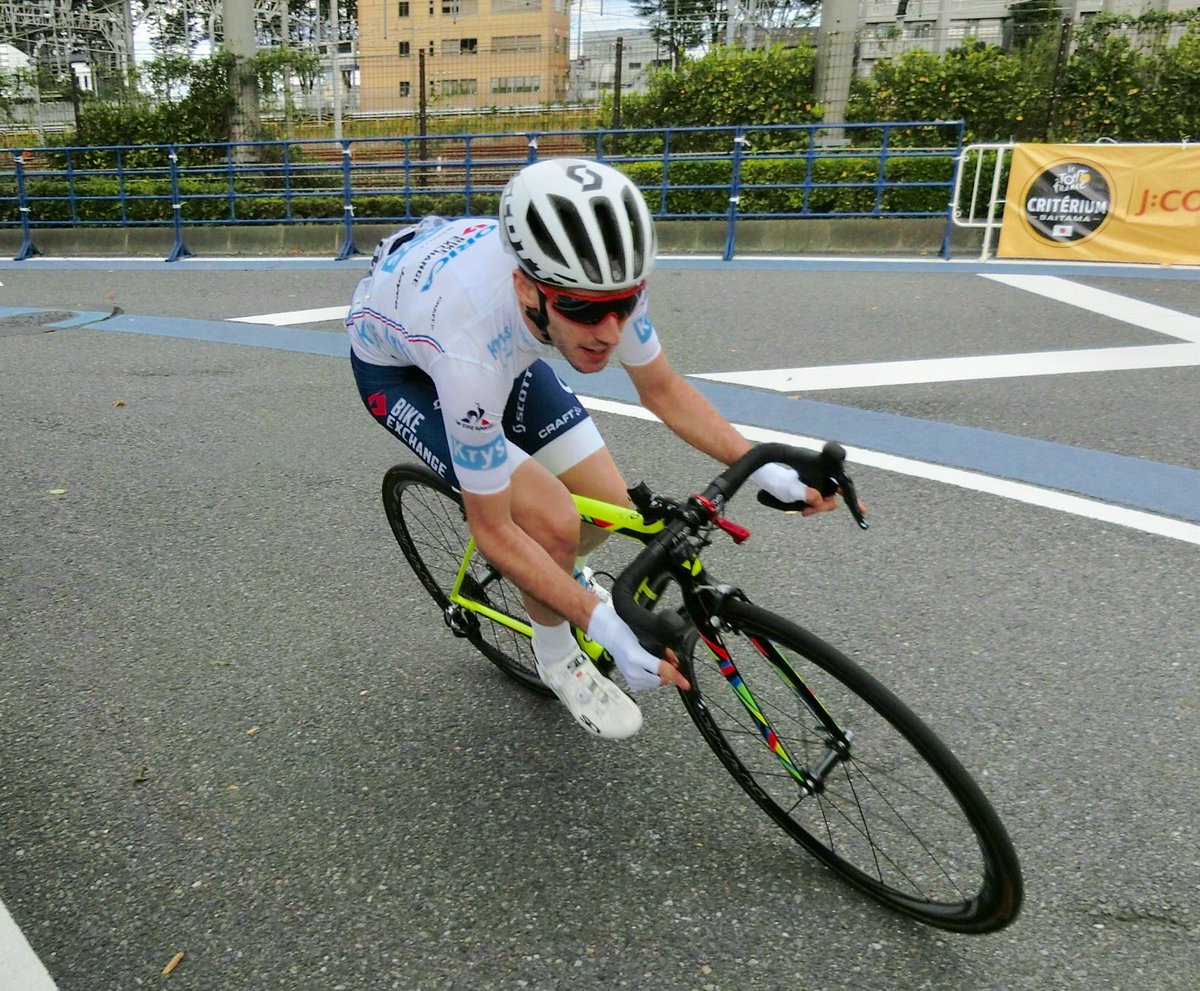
{"x": 578, "y": 224}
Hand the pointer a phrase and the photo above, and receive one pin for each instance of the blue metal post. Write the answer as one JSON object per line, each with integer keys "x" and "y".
{"x": 881, "y": 178}
{"x": 348, "y": 247}
{"x": 735, "y": 184}
{"x": 179, "y": 250}
{"x": 951, "y": 205}
{"x": 28, "y": 249}
{"x": 531, "y": 153}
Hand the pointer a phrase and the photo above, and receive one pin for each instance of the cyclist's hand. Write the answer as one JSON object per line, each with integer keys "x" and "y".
{"x": 818, "y": 503}
{"x": 669, "y": 673}
{"x": 785, "y": 485}
{"x": 639, "y": 668}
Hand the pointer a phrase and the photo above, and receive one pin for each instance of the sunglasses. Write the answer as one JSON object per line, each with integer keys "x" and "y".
{"x": 590, "y": 310}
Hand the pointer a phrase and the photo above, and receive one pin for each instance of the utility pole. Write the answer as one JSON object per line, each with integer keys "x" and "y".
{"x": 336, "y": 48}
{"x": 835, "y": 62}
{"x": 238, "y": 20}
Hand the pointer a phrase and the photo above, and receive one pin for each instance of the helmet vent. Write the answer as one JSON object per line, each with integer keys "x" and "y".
{"x": 629, "y": 197}
{"x": 581, "y": 244}
{"x": 543, "y": 237}
{"x": 606, "y": 219}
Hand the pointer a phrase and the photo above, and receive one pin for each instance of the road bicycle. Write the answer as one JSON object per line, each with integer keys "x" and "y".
{"x": 831, "y": 755}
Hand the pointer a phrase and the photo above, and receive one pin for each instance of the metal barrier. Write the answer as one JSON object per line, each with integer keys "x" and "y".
{"x": 879, "y": 170}
{"x": 991, "y": 222}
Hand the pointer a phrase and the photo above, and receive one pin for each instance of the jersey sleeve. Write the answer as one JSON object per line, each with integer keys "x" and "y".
{"x": 472, "y": 400}
{"x": 639, "y": 341}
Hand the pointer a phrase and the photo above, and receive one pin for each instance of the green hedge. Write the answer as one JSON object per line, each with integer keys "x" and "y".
{"x": 835, "y": 185}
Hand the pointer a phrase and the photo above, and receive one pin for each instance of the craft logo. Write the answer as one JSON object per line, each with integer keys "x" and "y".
{"x": 1068, "y": 202}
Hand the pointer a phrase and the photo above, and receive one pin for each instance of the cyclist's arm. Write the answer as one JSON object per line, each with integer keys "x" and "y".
{"x": 521, "y": 558}
{"x": 675, "y": 401}
{"x": 693, "y": 418}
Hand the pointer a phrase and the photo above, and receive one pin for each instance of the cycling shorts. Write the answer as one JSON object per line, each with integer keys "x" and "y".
{"x": 543, "y": 418}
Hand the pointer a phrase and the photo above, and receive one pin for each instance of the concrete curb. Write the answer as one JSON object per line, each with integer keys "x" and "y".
{"x": 851, "y": 237}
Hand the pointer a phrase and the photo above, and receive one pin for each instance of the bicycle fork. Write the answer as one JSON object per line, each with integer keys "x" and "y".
{"x": 811, "y": 780}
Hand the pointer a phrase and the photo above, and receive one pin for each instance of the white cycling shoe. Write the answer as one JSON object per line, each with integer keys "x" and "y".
{"x": 597, "y": 704}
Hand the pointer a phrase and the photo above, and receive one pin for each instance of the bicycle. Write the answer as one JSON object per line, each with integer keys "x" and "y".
{"x": 829, "y": 753}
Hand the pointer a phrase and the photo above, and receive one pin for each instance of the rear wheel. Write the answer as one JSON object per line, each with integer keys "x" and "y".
{"x": 850, "y": 773}
{"x": 428, "y": 520}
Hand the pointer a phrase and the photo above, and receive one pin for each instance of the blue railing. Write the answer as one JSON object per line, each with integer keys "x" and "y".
{"x": 903, "y": 169}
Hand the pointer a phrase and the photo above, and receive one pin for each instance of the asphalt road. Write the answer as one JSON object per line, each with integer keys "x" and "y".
{"x": 233, "y": 726}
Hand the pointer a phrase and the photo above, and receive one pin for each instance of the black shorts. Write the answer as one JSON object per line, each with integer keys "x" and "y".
{"x": 543, "y": 418}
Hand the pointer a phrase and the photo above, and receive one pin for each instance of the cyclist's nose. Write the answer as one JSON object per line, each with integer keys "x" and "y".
{"x": 608, "y": 330}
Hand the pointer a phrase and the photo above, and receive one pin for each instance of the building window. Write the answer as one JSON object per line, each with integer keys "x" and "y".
{"x": 404, "y": 49}
{"x": 516, "y": 84}
{"x": 515, "y": 6}
{"x": 517, "y": 43}
{"x": 402, "y": 8}
{"x": 460, "y": 8}
{"x": 460, "y": 46}
{"x": 457, "y": 87}
{"x": 405, "y": 88}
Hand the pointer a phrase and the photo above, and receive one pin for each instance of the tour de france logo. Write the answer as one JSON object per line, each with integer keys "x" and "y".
{"x": 1068, "y": 202}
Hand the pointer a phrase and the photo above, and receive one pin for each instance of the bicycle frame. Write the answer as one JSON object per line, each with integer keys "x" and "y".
{"x": 603, "y": 515}
{"x": 629, "y": 523}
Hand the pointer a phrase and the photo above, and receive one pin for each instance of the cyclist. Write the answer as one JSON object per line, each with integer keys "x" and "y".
{"x": 449, "y": 331}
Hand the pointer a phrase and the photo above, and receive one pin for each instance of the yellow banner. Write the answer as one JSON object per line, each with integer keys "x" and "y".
{"x": 1123, "y": 203}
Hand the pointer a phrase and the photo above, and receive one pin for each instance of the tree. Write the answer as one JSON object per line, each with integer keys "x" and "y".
{"x": 994, "y": 92}
{"x": 678, "y": 25}
{"x": 1033, "y": 18}
{"x": 729, "y": 86}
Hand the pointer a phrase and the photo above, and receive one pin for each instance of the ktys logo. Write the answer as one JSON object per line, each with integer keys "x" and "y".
{"x": 1068, "y": 202}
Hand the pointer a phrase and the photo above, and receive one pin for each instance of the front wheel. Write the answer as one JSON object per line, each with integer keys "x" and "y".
{"x": 850, "y": 773}
{"x": 430, "y": 525}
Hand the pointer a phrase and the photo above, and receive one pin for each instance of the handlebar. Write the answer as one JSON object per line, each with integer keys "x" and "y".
{"x": 823, "y": 471}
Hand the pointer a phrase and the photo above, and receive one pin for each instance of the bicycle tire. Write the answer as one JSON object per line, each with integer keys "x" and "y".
{"x": 900, "y": 818}
{"x": 429, "y": 523}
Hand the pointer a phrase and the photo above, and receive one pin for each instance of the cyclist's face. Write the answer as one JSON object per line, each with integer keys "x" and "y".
{"x": 586, "y": 347}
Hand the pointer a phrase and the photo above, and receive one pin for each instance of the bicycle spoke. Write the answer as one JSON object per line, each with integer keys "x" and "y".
{"x": 867, "y": 801}
{"x": 432, "y": 530}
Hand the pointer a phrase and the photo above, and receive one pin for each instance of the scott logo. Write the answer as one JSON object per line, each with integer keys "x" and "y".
{"x": 588, "y": 179}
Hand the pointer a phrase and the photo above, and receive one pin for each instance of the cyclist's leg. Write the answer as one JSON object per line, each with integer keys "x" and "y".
{"x": 546, "y": 419}
{"x": 404, "y": 401}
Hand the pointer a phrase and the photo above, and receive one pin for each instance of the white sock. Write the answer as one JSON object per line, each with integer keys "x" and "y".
{"x": 552, "y": 643}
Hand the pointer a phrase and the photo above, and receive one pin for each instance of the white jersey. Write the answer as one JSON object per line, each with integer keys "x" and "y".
{"x": 445, "y": 302}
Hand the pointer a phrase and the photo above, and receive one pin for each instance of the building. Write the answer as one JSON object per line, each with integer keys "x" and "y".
{"x": 889, "y": 28}
{"x": 593, "y": 71}
{"x": 470, "y": 54}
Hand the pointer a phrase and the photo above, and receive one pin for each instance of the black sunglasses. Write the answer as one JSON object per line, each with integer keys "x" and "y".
{"x": 589, "y": 311}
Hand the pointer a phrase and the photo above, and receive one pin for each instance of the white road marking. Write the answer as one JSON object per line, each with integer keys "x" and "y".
{"x": 1148, "y": 315}
{"x": 1182, "y": 326}
{"x": 20, "y": 968}
{"x": 992, "y": 366}
{"x": 1018, "y": 491}
{"x": 293, "y": 317}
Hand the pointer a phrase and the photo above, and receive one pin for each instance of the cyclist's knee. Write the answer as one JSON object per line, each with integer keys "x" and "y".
{"x": 543, "y": 508}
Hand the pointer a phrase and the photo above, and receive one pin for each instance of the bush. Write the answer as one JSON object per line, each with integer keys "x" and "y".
{"x": 820, "y": 187}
